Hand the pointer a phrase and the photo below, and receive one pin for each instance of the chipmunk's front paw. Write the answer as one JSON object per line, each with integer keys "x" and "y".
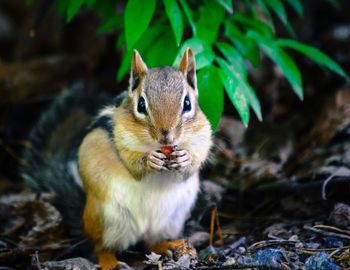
{"x": 156, "y": 161}
{"x": 180, "y": 159}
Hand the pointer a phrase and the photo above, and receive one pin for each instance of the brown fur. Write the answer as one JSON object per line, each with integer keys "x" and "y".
{"x": 125, "y": 124}
{"x": 165, "y": 97}
{"x": 165, "y": 88}
{"x": 103, "y": 159}
{"x": 98, "y": 157}
{"x": 106, "y": 259}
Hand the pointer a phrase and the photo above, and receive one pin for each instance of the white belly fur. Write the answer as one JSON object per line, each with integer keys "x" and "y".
{"x": 153, "y": 209}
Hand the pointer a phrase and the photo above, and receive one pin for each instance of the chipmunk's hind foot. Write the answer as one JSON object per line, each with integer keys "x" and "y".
{"x": 175, "y": 248}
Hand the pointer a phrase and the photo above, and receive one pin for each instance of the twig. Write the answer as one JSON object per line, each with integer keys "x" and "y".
{"x": 36, "y": 260}
{"x": 285, "y": 266}
{"x": 279, "y": 187}
{"x": 12, "y": 153}
{"x": 235, "y": 245}
{"x": 331, "y": 228}
{"x": 315, "y": 250}
{"x": 239, "y": 266}
{"x": 70, "y": 248}
{"x": 212, "y": 224}
{"x": 219, "y": 232}
{"x": 334, "y": 252}
{"x": 333, "y": 234}
{"x": 215, "y": 219}
{"x": 343, "y": 257}
{"x": 263, "y": 244}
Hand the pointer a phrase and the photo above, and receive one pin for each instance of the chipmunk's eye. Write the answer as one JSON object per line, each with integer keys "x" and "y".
{"x": 141, "y": 106}
{"x": 187, "y": 104}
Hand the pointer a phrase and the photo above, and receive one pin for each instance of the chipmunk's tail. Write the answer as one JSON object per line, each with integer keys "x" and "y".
{"x": 51, "y": 163}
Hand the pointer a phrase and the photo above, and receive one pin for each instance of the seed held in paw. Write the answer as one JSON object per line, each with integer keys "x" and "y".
{"x": 167, "y": 150}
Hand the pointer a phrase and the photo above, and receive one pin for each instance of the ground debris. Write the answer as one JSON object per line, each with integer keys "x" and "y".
{"x": 340, "y": 216}
{"x": 153, "y": 258}
{"x": 320, "y": 261}
{"x": 28, "y": 224}
{"x": 68, "y": 264}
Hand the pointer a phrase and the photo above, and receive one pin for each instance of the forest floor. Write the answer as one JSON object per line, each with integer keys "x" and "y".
{"x": 275, "y": 195}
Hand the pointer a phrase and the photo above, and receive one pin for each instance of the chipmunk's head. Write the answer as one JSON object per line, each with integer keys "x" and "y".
{"x": 165, "y": 99}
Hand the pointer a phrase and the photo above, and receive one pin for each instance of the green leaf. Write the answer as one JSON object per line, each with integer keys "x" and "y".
{"x": 204, "y": 55}
{"x": 250, "y": 6}
{"x": 282, "y": 59}
{"x": 233, "y": 57}
{"x": 125, "y": 65}
{"x": 157, "y": 55}
{"x": 105, "y": 8}
{"x": 227, "y": 4}
{"x": 252, "y": 99}
{"x": 211, "y": 94}
{"x": 297, "y": 6}
{"x": 73, "y": 8}
{"x": 238, "y": 69}
{"x": 112, "y": 23}
{"x": 146, "y": 41}
{"x": 204, "y": 59}
{"x": 119, "y": 41}
{"x": 247, "y": 46}
{"x": 210, "y": 19}
{"x": 150, "y": 36}
{"x": 234, "y": 91}
{"x": 313, "y": 53}
{"x": 138, "y": 15}
{"x": 287, "y": 66}
{"x": 267, "y": 13}
{"x": 278, "y": 7}
{"x": 250, "y": 23}
{"x": 90, "y": 3}
{"x": 189, "y": 15}
{"x": 174, "y": 14}
{"x": 62, "y": 6}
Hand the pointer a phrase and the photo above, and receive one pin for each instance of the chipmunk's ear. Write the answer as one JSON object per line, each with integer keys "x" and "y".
{"x": 188, "y": 68}
{"x": 138, "y": 70}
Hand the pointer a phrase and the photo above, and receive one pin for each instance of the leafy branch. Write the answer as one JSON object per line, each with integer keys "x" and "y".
{"x": 225, "y": 38}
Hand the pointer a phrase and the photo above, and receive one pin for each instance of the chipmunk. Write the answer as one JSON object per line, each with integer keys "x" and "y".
{"x": 135, "y": 190}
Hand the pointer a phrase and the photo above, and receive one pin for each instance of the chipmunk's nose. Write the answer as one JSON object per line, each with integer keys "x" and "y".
{"x": 166, "y": 137}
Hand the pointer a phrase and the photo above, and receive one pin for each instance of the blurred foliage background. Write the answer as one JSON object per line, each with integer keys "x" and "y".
{"x": 228, "y": 38}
